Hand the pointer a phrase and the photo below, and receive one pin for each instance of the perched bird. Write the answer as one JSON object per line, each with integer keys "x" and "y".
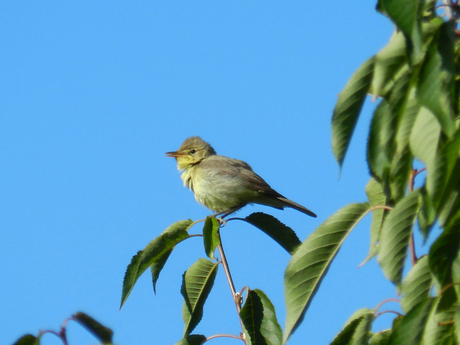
{"x": 223, "y": 184}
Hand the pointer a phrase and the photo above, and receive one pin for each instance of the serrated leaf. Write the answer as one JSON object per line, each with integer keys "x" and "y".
{"x": 197, "y": 283}
{"x": 348, "y": 107}
{"x": 157, "y": 266}
{"x": 388, "y": 62}
{"x": 379, "y": 141}
{"x": 310, "y": 262}
{"x": 409, "y": 330}
{"x": 154, "y": 251}
{"x": 417, "y": 285}
{"x": 457, "y": 322}
{"x": 374, "y": 192}
{"x": 104, "y": 334}
{"x": 425, "y": 136}
{"x": 194, "y": 339}
{"x": 27, "y": 339}
{"x": 210, "y": 236}
{"x": 356, "y": 329}
{"x": 436, "y": 78}
{"x": 380, "y": 338}
{"x": 438, "y": 326}
{"x": 406, "y": 14}
{"x": 395, "y": 235}
{"x": 259, "y": 319}
{"x": 449, "y": 208}
{"x": 427, "y": 214}
{"x": 282, "y": 234}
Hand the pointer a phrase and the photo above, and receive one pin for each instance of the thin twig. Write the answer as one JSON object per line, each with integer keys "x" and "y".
{"x": 235, "y": 296}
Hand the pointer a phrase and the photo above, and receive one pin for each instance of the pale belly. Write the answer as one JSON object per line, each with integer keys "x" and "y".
{"x": 219, "y": 193}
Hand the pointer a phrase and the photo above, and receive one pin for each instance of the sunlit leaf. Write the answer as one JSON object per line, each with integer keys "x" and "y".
{"x": 154, "y": 251}
{"x": 374, "y": 192}
{"x": 356, "y": 329}
{"x": 436, "y": 78}
{"x": 388, "y": 62}
{"x": 282, "y": 234}
{"x": 197, "y": 282}
{"x": 210, "y": 236}
{"x": 348, "y": 107}
{"x": 380, "y": 338}
{"x": 310, "y": 262}
{"x": 259, "y": 319}
{"x": 104, "y": 334}
{"x": 425, "y": 136}
{"x": 417, "y": 285}
{"x": 395, "y": 235}
{"x": 438, "y": 326}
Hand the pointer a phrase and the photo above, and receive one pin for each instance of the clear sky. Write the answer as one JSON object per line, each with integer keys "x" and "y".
{"x": 93, "y": 93}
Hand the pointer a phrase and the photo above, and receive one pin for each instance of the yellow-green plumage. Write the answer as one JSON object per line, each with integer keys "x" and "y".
{"x": 225, "y": 184}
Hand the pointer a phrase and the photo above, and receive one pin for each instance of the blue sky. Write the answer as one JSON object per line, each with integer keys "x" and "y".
{"x": 92, "y": 96}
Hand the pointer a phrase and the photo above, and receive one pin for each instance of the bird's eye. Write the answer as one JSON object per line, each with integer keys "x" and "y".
{"x": 192, "y": 152}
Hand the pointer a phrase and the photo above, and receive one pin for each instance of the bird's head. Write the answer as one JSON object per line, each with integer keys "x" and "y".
{"x": 192, "y": 151}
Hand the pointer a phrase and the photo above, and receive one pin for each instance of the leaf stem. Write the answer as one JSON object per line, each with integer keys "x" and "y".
{"x": 236, "y": 296}
{"x": 386, "y": 301}
{"x": 223, "y": 336}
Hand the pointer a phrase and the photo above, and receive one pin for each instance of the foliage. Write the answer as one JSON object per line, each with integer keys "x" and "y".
{"x": 416, "y": 81}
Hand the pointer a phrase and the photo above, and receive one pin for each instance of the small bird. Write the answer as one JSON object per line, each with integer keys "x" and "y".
{"x": 224, "y": 184}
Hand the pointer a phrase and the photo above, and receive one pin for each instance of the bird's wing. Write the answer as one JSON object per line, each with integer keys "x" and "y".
{"x": 238, "y": 169}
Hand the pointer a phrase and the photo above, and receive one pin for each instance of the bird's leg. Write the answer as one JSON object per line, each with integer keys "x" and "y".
{"x": 226, "y": 213}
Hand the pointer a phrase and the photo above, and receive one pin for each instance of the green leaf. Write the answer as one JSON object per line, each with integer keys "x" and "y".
{"x": 259, "y": 319}
{"x": 379, "y": 144}
{"x": 356, "y": 329}
{"x": 388, "y": 62}
{"x": 436, "y": 78}
{"x": 449, "y": 207}
{"x": 374, "y": 191}
{"x": 409, "y": 331}
{"x": 425, "y": 136}
{"x": 104, "y": 334}
{"x": 456, "y": 323}
{"x": 348, "y": 107}
{"x": 427, "y": 214}
{"x": 194, "y": 339}
{"x": 381, "y": 338}
{"x": 395, "y": 235}
{"x": 27, "y": 339}
{"x": 438, "y": 326}
{"x": 157, "y": 266}
{"x": 282, "y": 234}
{"x": 210, "y": 236}
{"x": 406, "y": 14}
{"x": 153, "y": 252}
{"x": 310, "y": 262}
{"x": 197, "y": 282}
{"x": 417, "y": 285}
{"x": 442, "y": 254}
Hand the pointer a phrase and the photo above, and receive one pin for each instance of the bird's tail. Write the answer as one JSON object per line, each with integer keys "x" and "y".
{"x": 296, "y": 206}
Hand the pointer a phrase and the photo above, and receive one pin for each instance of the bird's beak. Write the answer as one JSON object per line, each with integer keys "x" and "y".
{"x": 174, "y": 154}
